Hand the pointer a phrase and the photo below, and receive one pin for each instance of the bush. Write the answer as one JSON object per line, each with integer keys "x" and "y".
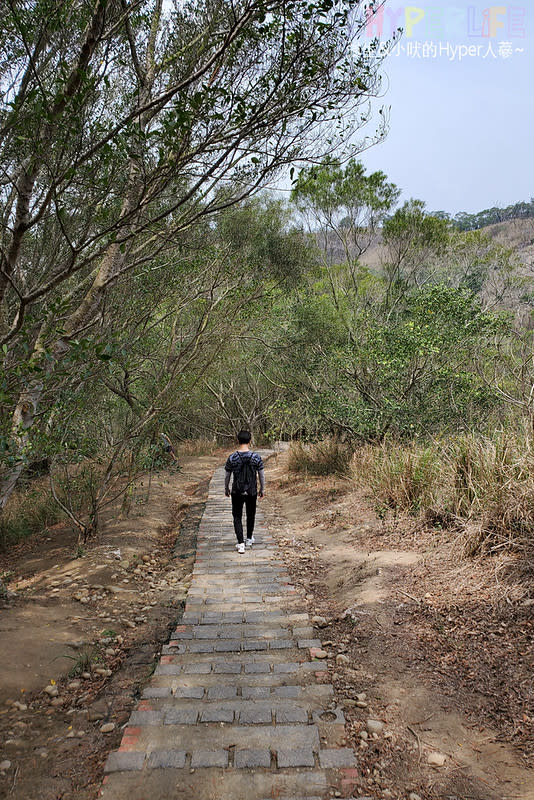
{"x": 328, "y": 457}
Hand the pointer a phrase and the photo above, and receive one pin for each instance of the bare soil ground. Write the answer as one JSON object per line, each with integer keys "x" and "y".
{"x": 438, "y": 651}
{"x": 431, "y": 646}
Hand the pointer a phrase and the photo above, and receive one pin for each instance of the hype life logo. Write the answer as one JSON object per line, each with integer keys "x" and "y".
{"x": 431, "y": 31}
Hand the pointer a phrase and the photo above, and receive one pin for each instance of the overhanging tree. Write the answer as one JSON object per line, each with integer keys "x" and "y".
{"x": 121, "y": 126}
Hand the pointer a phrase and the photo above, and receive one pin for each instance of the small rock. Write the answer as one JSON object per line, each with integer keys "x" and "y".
{"x": 86, "y": 676}
{"x": 364, "y": 735}
{"x": 321, "y": 654}
{"x": 103, "y": 671}
{"x": 16, "y": 743}
{"x": 361, "y": 704}
{"x": 74, "y": 685}
{"x": 413, "y": 796}
{"x": 57, "y": 701}
{"x": 108, "y": 727}
{"x": 5, "y": 765}
{"x": 319, "y": 622}
{"x": 361, "y": 696}
{"x": 374, "y": 726}
{"x": 52, "y": 691}
{"x": 342, "y": 659}
{"x": 20, "y": 706}
{"x": 97, "y": 711}
{"x": 436, "y": 759}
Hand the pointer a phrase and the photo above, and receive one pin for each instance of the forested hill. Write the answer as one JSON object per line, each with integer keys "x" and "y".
{"x": 490, "y": 216}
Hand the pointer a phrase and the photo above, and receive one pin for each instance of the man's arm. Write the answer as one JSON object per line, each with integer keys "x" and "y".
{"x": 227, "y": 476}
{"x": 261, "y": 474}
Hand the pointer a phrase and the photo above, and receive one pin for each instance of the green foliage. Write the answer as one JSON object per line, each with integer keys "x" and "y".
{"x": 411, "y": 374}
{"x": 344, "y": 192}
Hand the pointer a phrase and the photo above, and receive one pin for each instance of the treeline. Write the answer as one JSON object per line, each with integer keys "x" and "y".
{"x": 490, "y": 216}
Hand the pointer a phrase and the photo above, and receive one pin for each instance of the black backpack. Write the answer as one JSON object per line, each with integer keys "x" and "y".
{"x": 244, "y": 476}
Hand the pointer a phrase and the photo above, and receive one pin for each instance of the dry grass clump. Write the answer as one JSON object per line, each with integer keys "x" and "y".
{"x": 203, "y": 446}
{"x": 29, "y": 510}
{"x": 483, "y": 487}
{"x": 401, "y": 476}
{"x": 328, "y": 457}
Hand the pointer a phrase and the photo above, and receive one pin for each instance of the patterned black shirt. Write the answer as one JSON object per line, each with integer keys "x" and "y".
{"x": 233, "y": 463}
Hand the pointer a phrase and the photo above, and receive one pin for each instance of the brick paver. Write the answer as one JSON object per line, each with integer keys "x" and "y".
{"x": 236, "y": 707}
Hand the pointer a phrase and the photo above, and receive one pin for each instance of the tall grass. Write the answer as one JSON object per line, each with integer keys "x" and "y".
{"x": 203, "y": 446}
{"x": 480, "y": 485}
{"x": 400, "y": 476}
{"x": 328, "y": 457}
{"x": 29, "y": 510}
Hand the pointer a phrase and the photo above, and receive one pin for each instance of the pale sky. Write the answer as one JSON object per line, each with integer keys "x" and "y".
{"x": 461, "y": 129}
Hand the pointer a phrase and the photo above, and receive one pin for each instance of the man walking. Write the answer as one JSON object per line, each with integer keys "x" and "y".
{"x": 244, "y": 466}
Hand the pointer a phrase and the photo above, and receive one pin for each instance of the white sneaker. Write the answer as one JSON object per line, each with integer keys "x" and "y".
{"x": 240, "y": 547}
{"x": 251, "y": 541}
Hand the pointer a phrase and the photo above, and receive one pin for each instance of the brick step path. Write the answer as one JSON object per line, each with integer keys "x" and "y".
{"x": 236, "y": 708}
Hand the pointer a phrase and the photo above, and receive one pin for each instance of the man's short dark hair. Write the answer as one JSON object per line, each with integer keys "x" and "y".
{"x": 244, "y": 437}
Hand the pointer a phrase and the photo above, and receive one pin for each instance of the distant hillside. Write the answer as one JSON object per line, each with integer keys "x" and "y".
{"x": 516, "y": 234}
{"x": 490, "y": 216}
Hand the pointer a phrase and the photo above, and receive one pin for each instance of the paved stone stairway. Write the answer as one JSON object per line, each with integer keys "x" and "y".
{"x": 236, "y": 708}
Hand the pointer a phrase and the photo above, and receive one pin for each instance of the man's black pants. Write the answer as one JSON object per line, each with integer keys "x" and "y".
{"x": 238, "y": 501}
